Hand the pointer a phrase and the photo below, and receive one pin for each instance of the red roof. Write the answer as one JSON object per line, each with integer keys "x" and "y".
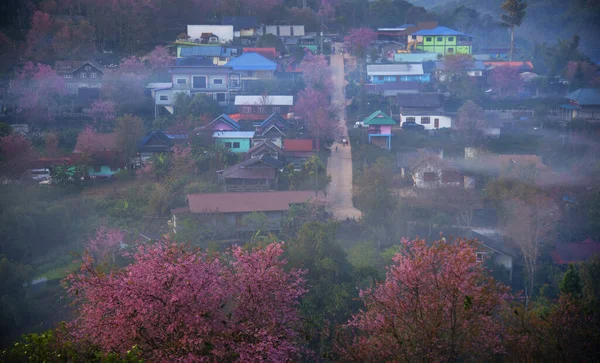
{"x": 265, "y": 52}
{"x": 96, "y": 142}
{"x": 247, "y": 202}
{"x": 298, "y": 145}
{"x": 566, "y": 253}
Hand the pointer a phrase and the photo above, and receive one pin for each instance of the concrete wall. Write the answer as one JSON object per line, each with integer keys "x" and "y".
{"x": 444, "y": 121}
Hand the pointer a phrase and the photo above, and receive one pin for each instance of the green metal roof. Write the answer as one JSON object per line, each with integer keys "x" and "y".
{"x": 379, "y": 118}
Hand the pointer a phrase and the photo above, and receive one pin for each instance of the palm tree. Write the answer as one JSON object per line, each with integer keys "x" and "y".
{"x": 515, "y": 12}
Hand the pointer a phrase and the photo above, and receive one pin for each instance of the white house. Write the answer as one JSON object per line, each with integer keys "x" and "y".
{"x": 432, "y": 120}
{"x": 223, "y": 32}
{"x": 384, "y": 73}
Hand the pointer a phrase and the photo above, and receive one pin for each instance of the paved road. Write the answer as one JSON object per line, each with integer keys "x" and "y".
{"x": 339, "y": 165}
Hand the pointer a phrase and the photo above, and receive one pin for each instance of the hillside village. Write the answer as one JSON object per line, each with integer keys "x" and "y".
{"x": 344, "y": 142}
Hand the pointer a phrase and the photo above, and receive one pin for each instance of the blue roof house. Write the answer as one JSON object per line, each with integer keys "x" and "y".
{"x": 442, "y": 40}
{"x": 252, "y": 67}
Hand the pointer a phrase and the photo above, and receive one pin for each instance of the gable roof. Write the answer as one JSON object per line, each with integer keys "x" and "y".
{"x": 251, "y": 62}
{"x": 266, "y": 144}
{"x": 395, "y": 69}
{"x": 243, "y": 171}
{"x": 273, "y": 126}
{"x": 205, "y": 51}
{"x": 440, "y": 30}
{"x": 266, "y": 100}
{"x": 233, "y": 134}
{"x": 246, "y": 202}
{"x": 72, "y": 66}
{"x": 166, "y": 141}
{"x": 227, "y": 120}
{"x": 270, "y": 53}
{"x": 585, "y": 96}
{"x": 378, "y": 118}
{"x": 274, "y": 118}
{"x": 240, "y": 22}
{"x": 419, "y": 100}
{"x": 298, "y": 145}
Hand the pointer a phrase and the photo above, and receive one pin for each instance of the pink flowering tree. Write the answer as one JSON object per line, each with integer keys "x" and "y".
{"x": 436, "y": 304}
{"x": 327, "y": 9}
{"x": 359, "y": 39}
{"x": 177, "y": 303}
{"x": 38, "y": 44}
{"x": 103, "y": 114}
{"x": 314, "y": 108}
{"x": 159, "y": 59}
{"x": 38, "y": 88}
{"x": 505, "y": 81}
{"x": 316, "y": 72}
{"x": 16, "y": 155}
{"x": 105, "y": 244}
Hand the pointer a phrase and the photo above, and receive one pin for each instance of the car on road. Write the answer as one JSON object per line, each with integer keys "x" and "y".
{"x": 412, "y": 126}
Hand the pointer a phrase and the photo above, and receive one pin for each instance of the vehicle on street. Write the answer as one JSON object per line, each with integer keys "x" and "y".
{"x": 412, "y": 126}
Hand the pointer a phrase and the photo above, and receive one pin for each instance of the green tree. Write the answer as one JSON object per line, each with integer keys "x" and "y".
{"x": 5, "y": 129}
{"x": 515, "y": 12}
{"x": 571, "y": 282}
{"x": 270, "y": 41}
{"x": 129, "y": 130}
{"x": 372, "y": 191}
{"x": 12, "y": 296}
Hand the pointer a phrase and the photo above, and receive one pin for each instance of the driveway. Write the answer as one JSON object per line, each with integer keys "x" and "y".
{"x": 339, "y": 166}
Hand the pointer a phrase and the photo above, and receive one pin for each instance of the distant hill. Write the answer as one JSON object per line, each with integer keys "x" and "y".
{"x": 546, "y": 20}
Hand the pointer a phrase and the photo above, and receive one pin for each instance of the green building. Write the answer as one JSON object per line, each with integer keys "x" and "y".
{"x": 442, "y": 40}
{"x": 235, "y": 141}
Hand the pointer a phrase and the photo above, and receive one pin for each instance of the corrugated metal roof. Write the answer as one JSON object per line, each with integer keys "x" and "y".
{"x": 247, "y": 202}
{"x": 233, "y": 134}
{"x": 414, "y": 57}
{"x": 440, "y": 30}
{"x": 395, "y": 69}
{"x": 585, "y": 96}
{"x": 205, "y": 51}
{"x": 252, "y": 62}
{"x": 260, "y": 100}
{"x": 378, "y": 118}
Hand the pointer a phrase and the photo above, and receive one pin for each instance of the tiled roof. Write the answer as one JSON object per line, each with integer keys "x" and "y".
{"x": 378, "y": 118}
{"x": 440, "y": 30}
{"x": 585, "y": 96}
{"x": 298, "y": 145}
{"x": 247, "y": 202}
{"x": 252, "y": 62}
{"x": 72, "y": 66}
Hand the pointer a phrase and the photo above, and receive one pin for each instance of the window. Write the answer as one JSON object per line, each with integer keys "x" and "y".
{"x": 276, "y": 109}
{"x": 97, "y": 168}
{"x": 450, "y": 39}
{"x": 380, "y": 78}
{"x": 411, "y": 119}
{"x": 428, "y": 39}
{"x": 222, "y": 59}
{"x": 228, "y": 144}
{"x": 114, "y": 168}
{"x": 221, "y": 97}
{"x": 181, "y": 81}
{"x": 450, "y": 50}
{"x": 199, "y": 82}
{"x": 68, "y": 75}
{"x": 262, "y": 109}
{"x": 480, "y": 256}
{"x": 93, "y": 75}
{"x": 425, "y": 120}
{"x": 218, "y": 81}
{"x": 429, "y": 177}
{"x": 439, "y": 39}
{"x": 236, "y": 145}
{"x": 88, "y": 68}
{"x": 82, "y": 75}
{"x": 164, "y": 98}
{"x": 246, "y": 109}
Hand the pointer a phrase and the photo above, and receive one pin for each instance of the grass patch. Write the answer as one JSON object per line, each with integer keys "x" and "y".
{"x": 59, "y": 272}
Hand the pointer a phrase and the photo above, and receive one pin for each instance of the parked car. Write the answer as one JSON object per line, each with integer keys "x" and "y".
{"x": 412, "y": 126}
{"x": 39, "y": 174}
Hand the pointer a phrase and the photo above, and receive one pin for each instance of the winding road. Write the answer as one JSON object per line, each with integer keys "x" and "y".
{"x": 339, "y": 165}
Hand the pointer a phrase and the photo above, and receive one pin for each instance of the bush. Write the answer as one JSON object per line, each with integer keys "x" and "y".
{"x": 124, "y": 175}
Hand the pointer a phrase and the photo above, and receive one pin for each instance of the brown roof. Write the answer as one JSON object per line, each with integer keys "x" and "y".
{"x": 247, "y": 201}
{"x": 267, "y": 144}
{"x": 96, "y": 142}
{"x": 245, "y": 169}
{"x": 72, "y": 66}
{"x": 298, "y": 145}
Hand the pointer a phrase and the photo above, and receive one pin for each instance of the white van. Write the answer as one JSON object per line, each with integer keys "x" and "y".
{"x": 39, "y": 174}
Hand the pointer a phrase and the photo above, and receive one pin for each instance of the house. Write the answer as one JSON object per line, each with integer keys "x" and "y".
{"x": 264, "y": 105}
{"x": 226, "y": 211}
{"x": 442, "y": 40}
{"x": 256, "y": 174}
{"x": 243, "y": 26}
{"x": 266, "y": 147}
{"x": 218, "y": 82}
{"x": 380, "y": 129}
{"x": 235, "y": 141}
{"x": 281, "y": 30}
{"x": 222, "y": 123}
{"x": 101, "y": 154}
{"x": 273, "y": 129}
{"x": 583, "y": 103}
{"x": 158, "y": 142}
{"x": 309, "y": 43}
{"x": 401, "y": 33}
{"x": 414, "y": 57}
{"x": 566, "y": 253}
{"x": 80, "y": 74}
{"x": 473, "y": 68}
{"x": 491, "y": 244}
{"x": 391, "y": 73}
{"x": 393, "y": 89}
{"x": 298, "y": 151}
{"x": 209, "y": 34}
{"x": 219, "y": 55}
{"x": 429, "y": 101}
{"x": 431, "y": 171}
{"x": 431, "y": 120}
{"x": 252, "y": 67}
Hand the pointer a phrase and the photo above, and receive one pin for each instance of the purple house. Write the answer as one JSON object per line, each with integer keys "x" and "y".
{"x": 223, "y": 123}
{"x": 380, "y": 129}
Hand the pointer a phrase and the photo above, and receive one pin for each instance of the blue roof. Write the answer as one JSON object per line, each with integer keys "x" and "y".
{"x": 440, "y": 30}
{"x": 585, "y": 96}
{"x": 251, "y": 62}
{"x": 228, "y": 120}
{"x": 205, "y": 51}
{"x": 273, "y": 118}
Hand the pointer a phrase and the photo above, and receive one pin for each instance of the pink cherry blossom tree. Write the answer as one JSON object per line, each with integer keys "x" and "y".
{"x": 316, "y": 72}
{"x": 103, "y": 114}
{"x": 159, "y": 59}
{"x": 359, "y": 39}
{"x": 38, "y": 88}
{"x": 104, "y": 245}
{"x": 436, "y": 304}
{"x": 314, "y": 108}
{"x": 178, "y": 303}
{"x": 16, "y": 154}
{"x": 505, "y": 81}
